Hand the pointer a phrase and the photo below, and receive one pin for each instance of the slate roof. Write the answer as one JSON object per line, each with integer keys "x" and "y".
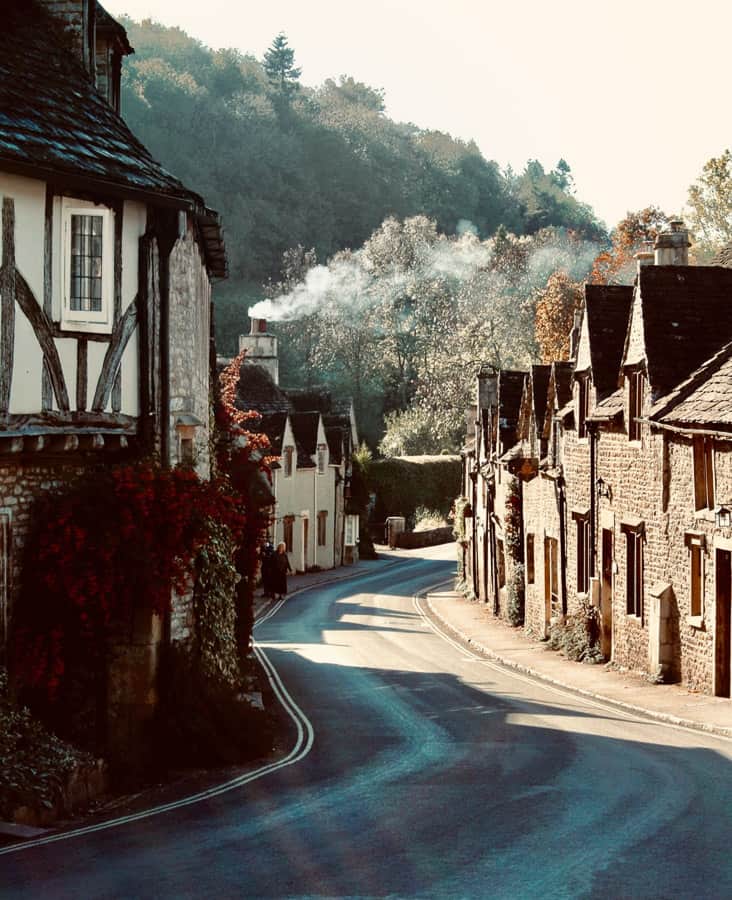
{"x": 610, "y": 408}
{"x": 510, "y": 390}
{"x": 607, "y": 308}
{"x": 305, "y": 429}
{"x": 54, "y": 124}
{"x": 540, "y": 386}
{"x": 257, "y": 390}
{"x": 561, "y": 381}
{"x": 273, "y": 425}
{"x": 704, "y": 399}
{"x": 687, "y": 318}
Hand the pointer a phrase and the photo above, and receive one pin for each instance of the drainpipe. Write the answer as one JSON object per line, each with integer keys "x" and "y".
{"x": 561, "y": 498}
{"x": 592, "y": 434}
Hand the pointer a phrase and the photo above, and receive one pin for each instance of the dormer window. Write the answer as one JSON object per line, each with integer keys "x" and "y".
{"x": 636, "y": 391}
{"x": 87, "y": 282}
{"x": 583, "y": 404}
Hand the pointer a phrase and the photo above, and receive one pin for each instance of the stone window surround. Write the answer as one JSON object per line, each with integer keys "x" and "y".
{"x": 635, "y": 527}
{"x": 704, "y": 459}
{"x": 696, "y": 540}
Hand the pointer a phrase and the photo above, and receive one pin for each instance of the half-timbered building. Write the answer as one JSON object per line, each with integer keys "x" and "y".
{"x": 105, "y": 283}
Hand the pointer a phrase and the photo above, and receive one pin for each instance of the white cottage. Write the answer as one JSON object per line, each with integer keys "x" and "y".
{"x": 313, "y": 437}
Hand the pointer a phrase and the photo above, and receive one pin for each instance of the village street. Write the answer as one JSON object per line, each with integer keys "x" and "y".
{"x": 420, "y": 770}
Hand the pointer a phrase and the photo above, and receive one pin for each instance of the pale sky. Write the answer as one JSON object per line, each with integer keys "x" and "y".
{"x": 634, "y": 95}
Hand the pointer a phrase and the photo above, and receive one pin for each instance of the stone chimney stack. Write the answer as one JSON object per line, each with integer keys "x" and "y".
{"x": 672, "y": 246}
{"x": 646, "y": 256}
{"x": 77, "y": 18}
{"x": 261, "y": 348}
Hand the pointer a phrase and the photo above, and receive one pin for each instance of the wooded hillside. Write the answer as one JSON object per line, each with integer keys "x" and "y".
{"x": 287, "y": 164}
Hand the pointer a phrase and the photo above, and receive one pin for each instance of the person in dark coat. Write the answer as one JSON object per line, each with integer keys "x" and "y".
{"x": 268, "y": 554}
{"x": 280, "y": 566}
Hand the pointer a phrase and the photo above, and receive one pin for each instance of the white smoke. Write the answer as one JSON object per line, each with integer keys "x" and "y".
{"x": 349, "y": 280}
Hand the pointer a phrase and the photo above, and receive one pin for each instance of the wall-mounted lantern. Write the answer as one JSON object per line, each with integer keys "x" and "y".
{"x": 723, "y": 516}
{"x": 603, "y": 489}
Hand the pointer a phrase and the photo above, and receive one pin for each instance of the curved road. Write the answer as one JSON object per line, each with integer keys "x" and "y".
{"x": 420, "y": 770}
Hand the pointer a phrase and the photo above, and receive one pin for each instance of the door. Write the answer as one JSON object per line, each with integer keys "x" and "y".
{"x": 551, "y": 579}
{"x": 306, "y": 543}
{"x": 723, "y": 573}
{"x": 606, "y": 595}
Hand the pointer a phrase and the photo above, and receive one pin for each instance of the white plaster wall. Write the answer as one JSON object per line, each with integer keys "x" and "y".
{"x": 96, "y": 351}
{"x": 25, "y": 393}
{"x": 30, "y": 205}
{"x": 130, "y": 376}
{"x": 67, "y": 354}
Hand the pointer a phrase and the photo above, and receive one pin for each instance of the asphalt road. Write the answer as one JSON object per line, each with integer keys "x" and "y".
{"x": 418, "y": 770}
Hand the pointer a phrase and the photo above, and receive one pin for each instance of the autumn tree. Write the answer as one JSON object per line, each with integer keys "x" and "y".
{"x": 616, "y": 265}
{"x": 710, "y": 204}
{"x": 555, "y": 308}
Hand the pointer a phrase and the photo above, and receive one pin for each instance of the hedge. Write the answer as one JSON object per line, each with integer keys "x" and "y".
{"x": 403, "y": 483}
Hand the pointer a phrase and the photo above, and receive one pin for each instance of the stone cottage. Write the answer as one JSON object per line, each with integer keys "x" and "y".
{"x": 638, "y": 519}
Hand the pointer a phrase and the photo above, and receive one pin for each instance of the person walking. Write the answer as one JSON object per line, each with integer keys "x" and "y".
{"x": 268, "y": 554}
{"x": 280, "y": 566}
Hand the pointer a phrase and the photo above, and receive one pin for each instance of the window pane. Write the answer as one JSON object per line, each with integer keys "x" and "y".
{"x": 86, "y": 263}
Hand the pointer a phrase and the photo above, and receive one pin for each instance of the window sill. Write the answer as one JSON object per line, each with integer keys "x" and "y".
{"x": 85, "y": 327}
{"x": 631, "y": 617}
{"x": 695, "y": 621}
{"x": 704, "y": 515}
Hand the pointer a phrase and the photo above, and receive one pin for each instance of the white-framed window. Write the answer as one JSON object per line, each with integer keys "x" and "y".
{"x": 87, "y": 266}
{"x": 636, "y": 392}
{"x": 322, "y": 450}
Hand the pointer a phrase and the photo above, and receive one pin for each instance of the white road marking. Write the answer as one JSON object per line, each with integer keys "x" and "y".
{"x": 303, "y": 745}
{"x": 469, "y": 655}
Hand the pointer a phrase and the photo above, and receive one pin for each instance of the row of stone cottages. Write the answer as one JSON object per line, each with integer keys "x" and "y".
{"x": 106, "y": 334}
{"x": 606, "y": 481}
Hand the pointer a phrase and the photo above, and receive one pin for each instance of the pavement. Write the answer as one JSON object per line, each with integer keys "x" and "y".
{"x": 474, "y": 626}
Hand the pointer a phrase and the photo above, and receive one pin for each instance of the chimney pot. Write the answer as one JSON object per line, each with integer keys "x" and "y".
{"x": 672, "y": 246}
{"x": 258, "y": 326}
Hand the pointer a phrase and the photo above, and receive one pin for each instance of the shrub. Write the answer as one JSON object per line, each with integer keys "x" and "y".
{"x": 516, "y": 596}
{"x": 402, "y": 484}
{"x": 34, "y": 764}
{"x": 578, "y": 636}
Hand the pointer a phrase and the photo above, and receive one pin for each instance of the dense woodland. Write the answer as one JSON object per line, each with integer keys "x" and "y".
{"x": 286, "y": 164}
{"x": 395, "y": 259}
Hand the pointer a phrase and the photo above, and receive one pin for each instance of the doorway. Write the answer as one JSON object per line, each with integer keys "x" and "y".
{"x": 551, "y": 579}
{"x": 606, "y": 595}
{"x": 723, "y": 573}
{"x": 306, "y": 543}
